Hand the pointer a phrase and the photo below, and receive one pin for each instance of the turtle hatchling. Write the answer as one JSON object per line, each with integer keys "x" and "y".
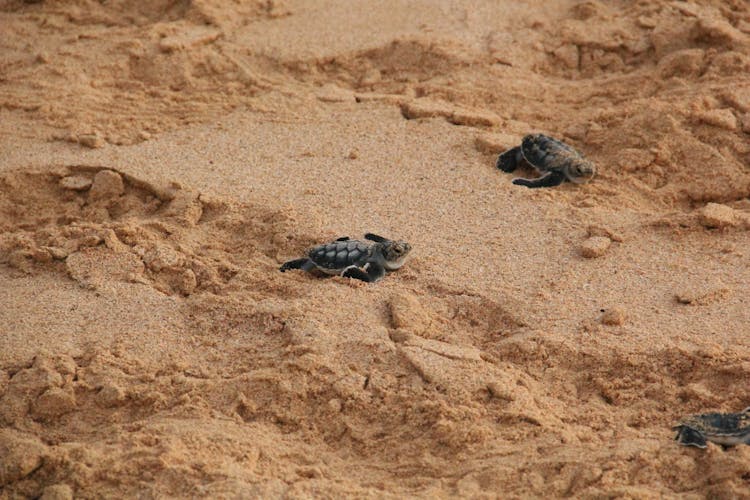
{"x": 555, "y": 159}
{"x": 726, "y": 429}
{"x": 365, "y": 260}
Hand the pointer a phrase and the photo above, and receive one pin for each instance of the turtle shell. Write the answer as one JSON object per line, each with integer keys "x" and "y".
{"x": 548, "y": 154}
{"x": 338, "y": 255}
{"x": 722, "y": 428}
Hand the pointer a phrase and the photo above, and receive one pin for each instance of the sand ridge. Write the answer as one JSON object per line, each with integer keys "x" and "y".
{"x": 164, "y": 159}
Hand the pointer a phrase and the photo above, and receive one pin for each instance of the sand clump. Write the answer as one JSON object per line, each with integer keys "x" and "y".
{"x": 106, "y": 184}
{"x": 20, "y": 456}
{"x": 722, "y": 118}
{"x": 614, "y": 316}
{"x": 425, "y": 108}
{"x": 57, "y": 492}
{"x": 92, "y": 141}
{"x": 407, "y": 313}
{"x": 76, "y": 182}
{"x": 703, "y": 294}
{"x": 718, "y": 216}
{"x": 595, "y": 246}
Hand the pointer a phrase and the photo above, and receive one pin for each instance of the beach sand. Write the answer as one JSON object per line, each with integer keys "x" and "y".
{"x": 161, "y": 159}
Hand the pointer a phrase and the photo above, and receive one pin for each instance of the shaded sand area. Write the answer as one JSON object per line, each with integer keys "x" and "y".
{"x": 160, "y": 160}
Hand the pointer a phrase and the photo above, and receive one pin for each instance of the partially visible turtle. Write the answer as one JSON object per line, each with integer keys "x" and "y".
{"x": 366, "y": 260}
{"x": 727, "y": 429}
{"x": 555, "y": 159}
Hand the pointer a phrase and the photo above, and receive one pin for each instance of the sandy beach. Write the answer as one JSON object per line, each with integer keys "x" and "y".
{"x": 160, "y": 160}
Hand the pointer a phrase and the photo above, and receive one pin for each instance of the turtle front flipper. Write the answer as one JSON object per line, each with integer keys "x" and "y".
{"x": 370, "y": 273}
{"x": 509, "y": 160}
{"x": 304, "y": 264}
{"x": 549, "y": 180}
{"x": 375, "y": 238}
{"x": 689, "y": 437}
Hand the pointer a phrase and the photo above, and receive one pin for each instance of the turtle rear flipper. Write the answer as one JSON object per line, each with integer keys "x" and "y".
{"x": 510, "y": 160}
{"x": 370, "y": 273}
{"x": 549, "y": 180}
{"x": 689, "y": 437}
{"x": 304, "y": 263}
{"x": 343, "y": 238}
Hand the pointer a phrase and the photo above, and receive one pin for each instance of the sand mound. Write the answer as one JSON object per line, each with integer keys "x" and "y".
{"x": 101, "y": 226}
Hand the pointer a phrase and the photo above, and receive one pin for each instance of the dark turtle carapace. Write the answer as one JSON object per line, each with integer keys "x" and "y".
{"x": 726, "y": 429}
{"x": 556, "y": 160}
{"x": 366, "y": 260}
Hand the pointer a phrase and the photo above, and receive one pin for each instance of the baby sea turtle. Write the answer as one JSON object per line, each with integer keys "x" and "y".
{"x": 726, "y": 429}
{"x": 555, "y": 159}
{"x": 366, "y": 260}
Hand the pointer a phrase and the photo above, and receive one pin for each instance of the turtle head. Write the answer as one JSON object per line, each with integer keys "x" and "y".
{"x": 394, "y": 253}
{"x": 580, "y": 171}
